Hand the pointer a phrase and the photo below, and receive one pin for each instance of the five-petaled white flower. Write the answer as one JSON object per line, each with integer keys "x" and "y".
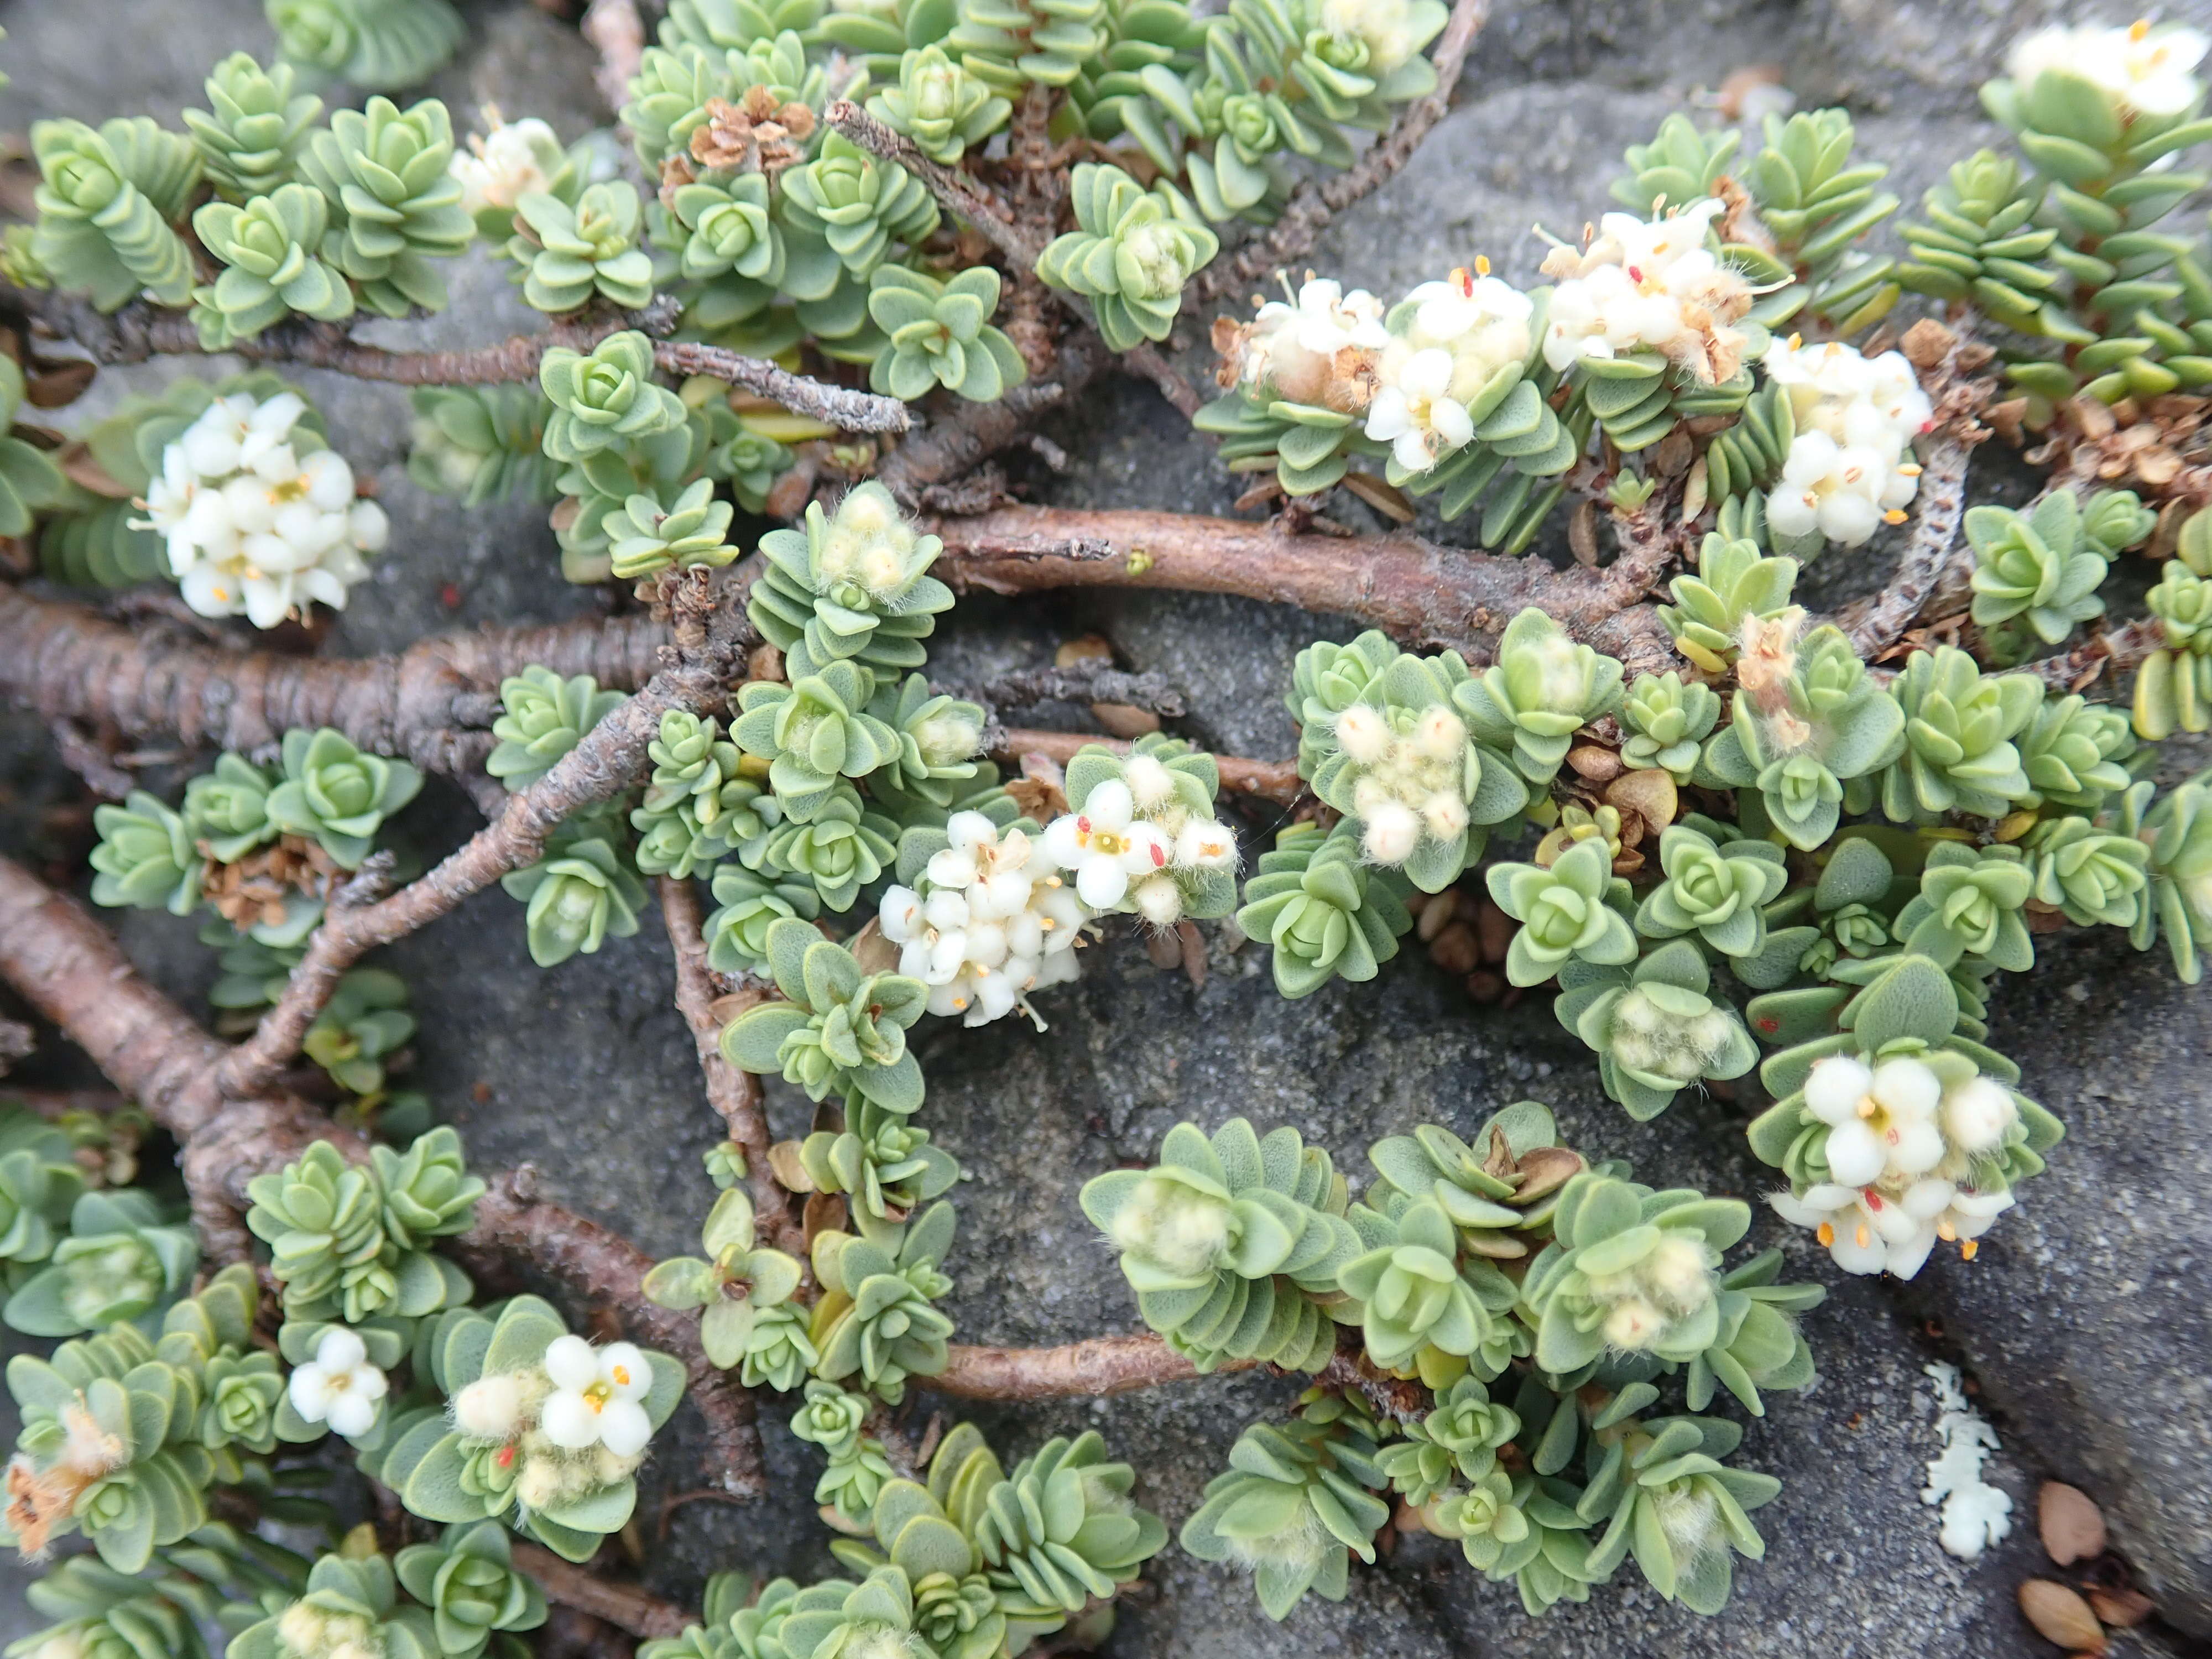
{"x": 1105, "y": 844}
{"x": 499, "y": 166}
{"x": 1416, "y": 415}
{"x": 597, "y": 1396}
{"x": 1882, "y": 1118}
{"x": 338, "y": 1386}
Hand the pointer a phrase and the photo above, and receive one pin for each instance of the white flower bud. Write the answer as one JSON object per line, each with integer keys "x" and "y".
{"x": 1158, "y": 900}
{"x": 1363, "y": 733}
{"x": 1976, "y": 1115}
{"x": 539, "y": 1483}
{"x": 490, "y": 1409}
{"x": 1393, "y": 832}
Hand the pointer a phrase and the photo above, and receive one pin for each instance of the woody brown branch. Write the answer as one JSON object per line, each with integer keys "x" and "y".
{"x": 1313, "y": 205}
{"x": 429, "y": 703}
{"x": 603, "y": 762}
{"x": 1275, "y": 780}
{"x": 1407, "y": 586}
{"x": 140, "y": 332}
{"x": 736, "y": 1095}
{"x": 73, "y": 972}
{"x": 1102, "y": 1365}
{"x": 629, "y": 1607}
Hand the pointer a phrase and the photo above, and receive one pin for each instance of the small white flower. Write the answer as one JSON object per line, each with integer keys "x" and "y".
{"x": 596, "y": 1396}
{"x": 1416, "y": 415}
{"x": 1105, "y": 845}
{"x": 499, "y": 168}
{"x": 338, "y": 1386}
{"x": 1886, "y": 1128}
{"x": 1206, "y": 846}
{"x": 990, "y": 914}
{"x": 2147, "y": 69}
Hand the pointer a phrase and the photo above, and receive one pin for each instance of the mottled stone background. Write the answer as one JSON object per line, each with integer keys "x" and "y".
{"x": 2083, "y": 1318}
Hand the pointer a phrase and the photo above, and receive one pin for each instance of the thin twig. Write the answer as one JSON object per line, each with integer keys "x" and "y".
{"x": 616, "y": 30}
{"x": 605, "y": 762}
{"x": 1275, "y": 780}
{"x": 736, "y": 1095}
{"x": 1101, "y": 1366}
{"x": 1092, "y": 680}
{"x": 973, "y": 200}
{"x": 2101, "y": 656}
{"x": 1312, "y": 205}
{"x": 628, "y": 1606}
{"x": 139, "y": 331}
{"x": 72, "y": 970}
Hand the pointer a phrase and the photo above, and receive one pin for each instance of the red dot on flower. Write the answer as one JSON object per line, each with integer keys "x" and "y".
{"x": 506, "y": 1458}
{"x": 1873, "y": 1200}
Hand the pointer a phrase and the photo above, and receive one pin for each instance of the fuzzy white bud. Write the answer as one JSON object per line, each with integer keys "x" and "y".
{"x": 1363, "y": 733}
{"x": 490, "y": 1409}
{"x": 1977, "y": 1115}
{"x": 1393, "y": 833}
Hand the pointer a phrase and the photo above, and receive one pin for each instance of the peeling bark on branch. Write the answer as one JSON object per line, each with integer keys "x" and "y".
{"x": 430, "y": 704}
{"x": 1407, "y": 586}
{"x": 2104, "y": 656}
{"x": 1101, "y": 1366}
{"x": 736, "y": 1095}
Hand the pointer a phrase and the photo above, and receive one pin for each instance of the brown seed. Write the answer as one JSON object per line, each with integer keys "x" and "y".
{"x": 1599, "y": 765}
{"x": 2121, "y": 1609}
{"x": 2059, "y": 1615}
{"x": 1084, "y": 647}
{"x": 2073, "y": 1527}
{"x": 1438, "y": 914}
{"x": 1165, "y": 950}
{"x": 1486, "y": 985}
{"x": 1122, "y": 719}
{"x": 1582, "y": 534}
{"x": 1493, "y": 929}
{"x": 1454, "y": 950}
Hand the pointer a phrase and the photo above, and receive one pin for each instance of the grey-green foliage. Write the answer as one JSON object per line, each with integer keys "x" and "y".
{"x": 580, "y": 892}
{"x": 876, "y": 1319}
{"x": 837, "y": 1027}
{"x": 106, "y": 201}
{"x": 1734, "y": 581}
{"x": 1657, "y": 1028}
{"x": 124, "y": 1257}
{"x": 1130, "y": 254}
{"x": 855, "y": 585}
{"x": 485, "y": 1458}
{"x": 337, "y": 794}
{"x": 1391, "y": 740}
{"x": 939, "y": 333}
{"x": 145, "y": 858}
{"x": 1323, "y": 910}
{"x": 250, "y": 141}
{"x": 566, "y": 253}
{"x": 738, "y": 1279}
{"x": 542, "y": 718}
{"x": 2037, "y": 573}
{"x": 394, "y": 204}
{"x": 380, "y": 45}
{"x": 1297, "y": 1503}
{"x": 469, "y": 1581}
{"x": 353, "y": 1241}
{"x": 481, "y": 443}
{"x": 1228, "y": 1241}
{"x": 271, "y": 250}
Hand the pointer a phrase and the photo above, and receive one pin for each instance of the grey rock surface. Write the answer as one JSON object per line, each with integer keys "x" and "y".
{"x": 2083, "y": 1319}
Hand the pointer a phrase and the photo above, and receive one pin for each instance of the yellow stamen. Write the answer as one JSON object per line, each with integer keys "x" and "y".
{"x": 1825, "y": 1232}
{"x": 1910, "y": 470}
{"x": 1482, "y": 264}
{"x": 1796, "y": 340}
{"x": 2139, "y": 28}
{"x": 1947, "y": 1232}
{"x": 1868, "y": 1107}
{"x": 1862, "y": 1238}
{"x": 1895, "y": 515}
{"x": 1966, "y": 1250}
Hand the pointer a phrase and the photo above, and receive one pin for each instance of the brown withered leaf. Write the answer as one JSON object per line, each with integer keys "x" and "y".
{"x": 790, "y": 1172}
{"x": 1546, "y": 1170}
{"x": 57, "y": 384}
{"x": 2059, "y": 1615}
{"x": 1650, "y": 792}
{"x": 825, "y": 1212}
{"x": 78, "y": 466}
{"x": 2071, "y": 1525}
{"x": 2121, "y": 1609}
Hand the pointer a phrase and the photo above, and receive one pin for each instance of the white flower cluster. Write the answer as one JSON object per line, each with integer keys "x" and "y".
{"x": 1901, "y": 1152}
{"x": 1463, "y": 331}
{"x": 2147, "y": 70}
{"x": 1649, "y": 286}
{"x": 1386, "y": 27}
{"x": 1851, "y": 467}
{"x": 1411, "y": 782}
{"x": 1976, "y": 1515}
{"x": 502, "y": 166}
{"x": 577, "y": 1419}
{"x": 1132, "y": 840}
{"x": 992, "y": 921}
{"x": 338, "y": 1386}
{"x": 1319, "y": 347}
{"x": 254, "y": 528}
